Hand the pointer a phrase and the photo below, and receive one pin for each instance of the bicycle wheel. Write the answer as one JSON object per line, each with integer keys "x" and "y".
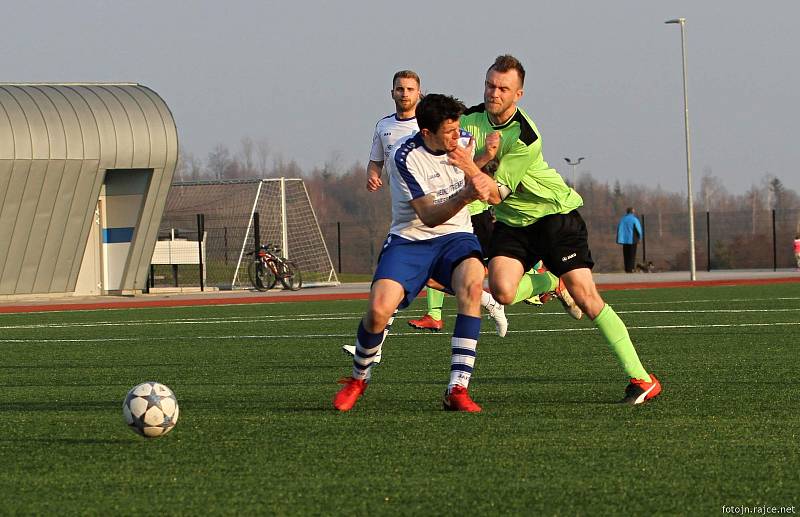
{"x": 261, "y": 276}
{"x": 291, "y": 278}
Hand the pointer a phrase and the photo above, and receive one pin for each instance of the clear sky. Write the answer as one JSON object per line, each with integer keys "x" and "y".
{"x": 311, "y": 78}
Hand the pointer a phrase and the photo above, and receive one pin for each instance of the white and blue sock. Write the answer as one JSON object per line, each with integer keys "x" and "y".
{"x": 464, "y": 345}
{"x": 368, "y": 345}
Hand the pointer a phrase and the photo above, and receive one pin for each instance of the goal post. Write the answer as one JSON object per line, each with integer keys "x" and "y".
{"x": 246, "y": 233}
{"x": 286, "y": 218}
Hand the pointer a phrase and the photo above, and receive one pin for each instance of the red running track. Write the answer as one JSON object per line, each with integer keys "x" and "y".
{"x": 188, "y": 302}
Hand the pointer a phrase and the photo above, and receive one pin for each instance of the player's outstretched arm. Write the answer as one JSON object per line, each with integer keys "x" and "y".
{"x": 374, "y": 170}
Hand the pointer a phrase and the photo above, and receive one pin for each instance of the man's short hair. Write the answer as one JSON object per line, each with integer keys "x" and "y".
{"x": 435, "y": 108}
{"x": 508, "y": 62}
{"x": 629, "y": 210}
{"x": 405, "y": 74}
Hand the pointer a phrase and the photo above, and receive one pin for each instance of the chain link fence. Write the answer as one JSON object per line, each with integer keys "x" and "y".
{"x": 224, "y": 246}
{"x": 723, "y": 240}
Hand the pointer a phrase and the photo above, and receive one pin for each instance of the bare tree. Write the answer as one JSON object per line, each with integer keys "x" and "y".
{"x": 753, "y": 197}
{"x": 218, "y": 161}
{"x": 712, "y": 191}
{"x": 247, "y": 157}
{"x": 262, "y": 155}
{"x": 189, "y": 168}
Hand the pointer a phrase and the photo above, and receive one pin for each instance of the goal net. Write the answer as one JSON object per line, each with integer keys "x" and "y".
{"x": 286, "y": 218}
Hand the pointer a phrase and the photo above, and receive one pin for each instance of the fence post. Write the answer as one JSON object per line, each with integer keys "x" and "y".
{"x": 256, "y": 234}
{"x": 201, "y": 223}
{"x": 225, "y": 243}
{"x": 339, "y": 244}
{"x": 708, "y": 238}
{"x": 644, "y": 243}
{"x": 774, "y": 244}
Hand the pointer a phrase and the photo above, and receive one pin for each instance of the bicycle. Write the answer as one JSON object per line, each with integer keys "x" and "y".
{"x": 267, "y": 268}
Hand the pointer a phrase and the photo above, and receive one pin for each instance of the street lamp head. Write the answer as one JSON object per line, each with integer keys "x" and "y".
{"x": 677, "y": 20}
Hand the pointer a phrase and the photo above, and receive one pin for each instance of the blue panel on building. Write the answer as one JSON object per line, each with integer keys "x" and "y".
{"x": 115, "y": 235}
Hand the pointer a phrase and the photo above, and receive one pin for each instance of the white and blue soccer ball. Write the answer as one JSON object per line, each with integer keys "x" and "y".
{"x": 150, "y": 409}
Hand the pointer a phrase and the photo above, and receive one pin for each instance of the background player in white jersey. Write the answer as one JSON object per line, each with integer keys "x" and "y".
{"x": 391, "y": 128}
{"x": 430, "y": 238}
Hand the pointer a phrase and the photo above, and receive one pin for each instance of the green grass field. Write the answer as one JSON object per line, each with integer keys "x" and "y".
{"x": 258, "y": 435}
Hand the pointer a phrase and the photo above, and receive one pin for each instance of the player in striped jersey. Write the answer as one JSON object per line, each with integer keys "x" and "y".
{"x": 406, "y": 94}
{"x": 430, "y": 238}
{"x": 388, "y": 130}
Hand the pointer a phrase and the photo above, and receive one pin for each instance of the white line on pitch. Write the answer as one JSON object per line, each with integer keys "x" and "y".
{"x": 224, "y": 305}
{"x": 727, "y": 300}
{"x": 398, "y": 334}
{"x": 337, "y": 317}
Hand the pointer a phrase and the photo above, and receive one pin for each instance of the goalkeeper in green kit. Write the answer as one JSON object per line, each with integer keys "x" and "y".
{"x": 537, "y": 218}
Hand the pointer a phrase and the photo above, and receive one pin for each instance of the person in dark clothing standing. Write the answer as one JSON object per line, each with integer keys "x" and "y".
{"x": 629, "y": 231}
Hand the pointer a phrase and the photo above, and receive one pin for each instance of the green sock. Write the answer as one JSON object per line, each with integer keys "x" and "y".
{"x": 616, "y": 334}
{"x": 435, "y": 302}
{"x": 532, "y": 283}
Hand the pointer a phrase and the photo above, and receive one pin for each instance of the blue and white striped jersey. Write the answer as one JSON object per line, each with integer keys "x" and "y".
{"x": 414, "y": 172}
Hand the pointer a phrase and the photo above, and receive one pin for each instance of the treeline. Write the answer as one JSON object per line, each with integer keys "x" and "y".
{"x": 338, "y": 192}
{"x": 354, "y": 221}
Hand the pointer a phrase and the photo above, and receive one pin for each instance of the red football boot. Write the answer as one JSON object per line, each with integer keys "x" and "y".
{"x": 458, "y": 400}
{"x": 427, "y": 323}
{"x": 349, "y": 394}
{"x": 639, "y": 391}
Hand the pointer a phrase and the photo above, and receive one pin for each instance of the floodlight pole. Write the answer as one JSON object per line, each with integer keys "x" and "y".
{"x": 692, "y": 265}
{"x": 574, "y": 165}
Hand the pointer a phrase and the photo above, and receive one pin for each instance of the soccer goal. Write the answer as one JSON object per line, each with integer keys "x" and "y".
{"x": 286, "y": 218}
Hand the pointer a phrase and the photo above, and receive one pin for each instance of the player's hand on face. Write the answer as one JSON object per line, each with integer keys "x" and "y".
{"x": 471, "y": 145}
{"x": 374, "y": 182}
{"x": 492, "y": 144}
{"x": 461, "y": 157}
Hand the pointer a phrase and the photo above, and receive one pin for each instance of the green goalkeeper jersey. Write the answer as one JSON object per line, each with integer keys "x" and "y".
{"x": 537, "y": 190}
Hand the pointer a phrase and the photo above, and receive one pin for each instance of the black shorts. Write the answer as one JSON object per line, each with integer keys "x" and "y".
{"x": 558, "y": 240}
{"x": 482, "y": 227}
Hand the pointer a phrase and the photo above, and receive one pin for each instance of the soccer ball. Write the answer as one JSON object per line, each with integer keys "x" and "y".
{"x": 150, "y": 409}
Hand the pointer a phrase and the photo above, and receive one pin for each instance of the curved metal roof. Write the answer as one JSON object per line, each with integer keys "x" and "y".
{"x": 123, "y": 125}
{"x": 57, "y": 141}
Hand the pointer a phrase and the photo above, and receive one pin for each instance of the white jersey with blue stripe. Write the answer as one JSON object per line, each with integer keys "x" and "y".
{"x": 388, "y": 131}
{"x": 415, "y": 172}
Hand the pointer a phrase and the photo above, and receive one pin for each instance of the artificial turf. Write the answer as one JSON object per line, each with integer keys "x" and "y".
{"x": 258, "y": 435}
